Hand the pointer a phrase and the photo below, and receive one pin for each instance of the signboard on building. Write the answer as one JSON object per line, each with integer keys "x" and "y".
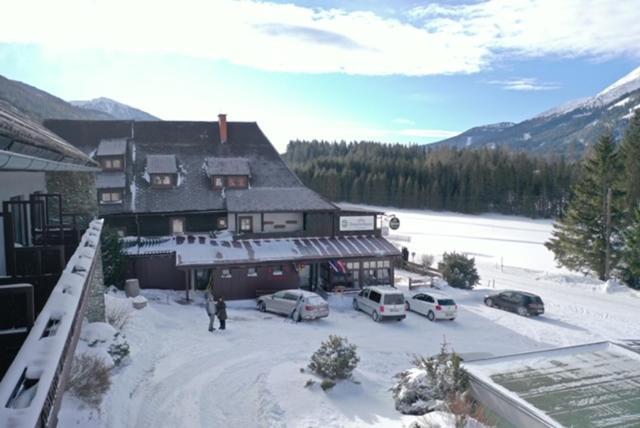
{"x": 394, "y": 223}
{"x": 354, "y": 223}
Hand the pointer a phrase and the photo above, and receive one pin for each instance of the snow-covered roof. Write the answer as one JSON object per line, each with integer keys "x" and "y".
{"x": 206, "y": 251}
{"x": 41, "y": 354}
{"x": 587, "y": 385}
{"x": 110, "y": 180}
{"x": 227, "y": 166}
{"x": 112, "y": 147}
{"x": 162, "y": 164}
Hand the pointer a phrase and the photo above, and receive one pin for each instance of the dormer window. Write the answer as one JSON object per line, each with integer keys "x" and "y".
{"x": 112, "y": 164}
{"x": 162, "y": 170}
{"x": 162, "y": 180}
{"x": 112, "y": 196}
{"x": 232, "y": 173}
{"x": 111, "y": 154}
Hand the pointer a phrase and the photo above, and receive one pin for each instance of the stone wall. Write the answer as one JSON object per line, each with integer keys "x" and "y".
{"x": 78, "y": 190}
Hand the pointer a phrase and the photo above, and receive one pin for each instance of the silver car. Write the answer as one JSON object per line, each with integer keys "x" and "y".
{"x": 297, "y": 304}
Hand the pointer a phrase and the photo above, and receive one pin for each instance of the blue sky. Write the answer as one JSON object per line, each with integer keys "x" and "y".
{"x": 395, "y": 71}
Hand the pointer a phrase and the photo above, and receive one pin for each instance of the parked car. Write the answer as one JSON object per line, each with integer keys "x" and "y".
{"x": 522, "y": 303}
{"x": 381, "y": 302}
{"x": 285, "y": 302}
{"x": 433, "y": 306}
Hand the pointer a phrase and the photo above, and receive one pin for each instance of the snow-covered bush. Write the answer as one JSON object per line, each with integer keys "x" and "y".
{"x": 89, "y": 378}
{"x": 431, "y": 384}
{"x": 118, "y": 314}
{"x": 335, "y": 359}
{"x": 119, "y": 349}
{"x": 427, "y": 260}
{"x": 459, "y": 270}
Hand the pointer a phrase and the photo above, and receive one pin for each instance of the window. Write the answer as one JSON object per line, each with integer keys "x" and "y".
{"x": 222, "y": 223}
{"x": 252, "y": 272}
{"x": 291, "y": 296}
{"x": 112, "y": 163}
{"x": 375, "y": 296}
{"x": 237, "y": 181}
{"x": 226, "y": 273}
{"x": 277, "y": 271}
{"x": 279, "y": 295}
{"x": 111, "y": 197}
{"x": 161, "y": 180}
{"x": 394, "y": 299}
{"x": 177, "y": 225}
{"x": 218, "y": 182}
{"x": 246, "y": 224}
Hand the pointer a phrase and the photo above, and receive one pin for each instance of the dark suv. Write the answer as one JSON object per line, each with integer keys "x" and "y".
{"x": 522, "y": 303}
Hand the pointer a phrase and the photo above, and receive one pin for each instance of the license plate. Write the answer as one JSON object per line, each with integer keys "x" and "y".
{"x": 394, "y": 310}
{"x": 449, "y": 314}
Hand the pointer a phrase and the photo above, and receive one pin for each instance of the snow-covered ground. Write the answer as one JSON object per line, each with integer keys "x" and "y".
{"x": 181, "y": 375}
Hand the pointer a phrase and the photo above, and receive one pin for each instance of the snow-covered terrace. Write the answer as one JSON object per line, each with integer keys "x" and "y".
{"x": 586, "y": 385}
{"x": 31, "y": 390}
{"x": 203, "y": 250}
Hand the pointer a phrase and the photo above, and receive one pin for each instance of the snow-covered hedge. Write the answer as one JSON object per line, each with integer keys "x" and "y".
{"x": 335, "y": 359}
{"x": 430, "y": 384}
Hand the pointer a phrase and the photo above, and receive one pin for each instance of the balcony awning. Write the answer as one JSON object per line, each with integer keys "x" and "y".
{"x": 204, "y": 251}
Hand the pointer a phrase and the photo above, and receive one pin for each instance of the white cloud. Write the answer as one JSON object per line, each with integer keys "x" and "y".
{"x": 525, "y": 84}
{"x": 436, "y": 39}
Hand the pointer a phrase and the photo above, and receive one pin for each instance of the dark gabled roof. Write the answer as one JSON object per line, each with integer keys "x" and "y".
{"x": 112, "y": 147}
{"x": 190, "y": 144}
{"x": 21, "y": 135}
{"x": 110, "y": 180}
{"x": 227, "y": 166}
{"x": 162, "y": 164}
{"x": 275, "y": 199}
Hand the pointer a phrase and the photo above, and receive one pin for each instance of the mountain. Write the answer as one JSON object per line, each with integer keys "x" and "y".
{"x": 114, "y": 109}
{"x": 39, "y": 105}
{"x": 564, "y": 130}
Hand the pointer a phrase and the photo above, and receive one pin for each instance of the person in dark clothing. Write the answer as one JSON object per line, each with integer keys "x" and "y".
{"x": 221, "y": 313}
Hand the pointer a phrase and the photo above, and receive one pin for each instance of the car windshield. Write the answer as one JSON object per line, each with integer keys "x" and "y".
{"x": 446, "y": 302}
{"x": 394, "y": 299}
{"x": 315, "y": 300}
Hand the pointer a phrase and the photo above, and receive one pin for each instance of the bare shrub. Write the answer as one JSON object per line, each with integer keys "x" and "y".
{"x": 427, "y": 260}
{"x": 89, "y": 379}
{"x": 118, "y": 315}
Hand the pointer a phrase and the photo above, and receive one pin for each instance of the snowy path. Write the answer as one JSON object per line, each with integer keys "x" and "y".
{"x": 182, "y": 375}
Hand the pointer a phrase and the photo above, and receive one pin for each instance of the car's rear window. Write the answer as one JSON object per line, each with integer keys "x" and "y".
{"x": 315, "y": 300}
{"x": 393, "y": 299}
{"x": 446, "y": 302}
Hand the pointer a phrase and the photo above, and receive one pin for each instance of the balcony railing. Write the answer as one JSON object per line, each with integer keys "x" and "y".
{"x": 32, "y": 388}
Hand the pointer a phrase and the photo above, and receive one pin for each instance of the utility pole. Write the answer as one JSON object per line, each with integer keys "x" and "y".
{"x": 607, "y": 253}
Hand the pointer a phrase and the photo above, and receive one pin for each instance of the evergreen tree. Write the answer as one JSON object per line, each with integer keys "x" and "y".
{"x": 588, "y": 239}
{"x": 631, "y": 252}
{"x": 630, "y": 150}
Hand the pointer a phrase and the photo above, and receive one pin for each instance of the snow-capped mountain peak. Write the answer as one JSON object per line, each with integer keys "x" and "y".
{"x": 628, "y": 83}
{"x": 114, "y": 108}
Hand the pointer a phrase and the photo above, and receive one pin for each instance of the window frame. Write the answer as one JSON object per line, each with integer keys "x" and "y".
{"x": 252, "y": 272}
{"x": 111, "y": 192}
{"x": 162, "y": 184}
{"x": 278, "y": 270}
{"x": 240, "y": 227}
{"x": 171, "y": 224}
{"x": 220, "y": 225}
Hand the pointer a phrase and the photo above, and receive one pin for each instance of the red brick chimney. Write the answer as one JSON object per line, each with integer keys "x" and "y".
{"x": 222, "y": 123}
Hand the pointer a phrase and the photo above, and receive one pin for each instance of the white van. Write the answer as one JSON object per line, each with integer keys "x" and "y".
{"x": 381, "y": 302}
